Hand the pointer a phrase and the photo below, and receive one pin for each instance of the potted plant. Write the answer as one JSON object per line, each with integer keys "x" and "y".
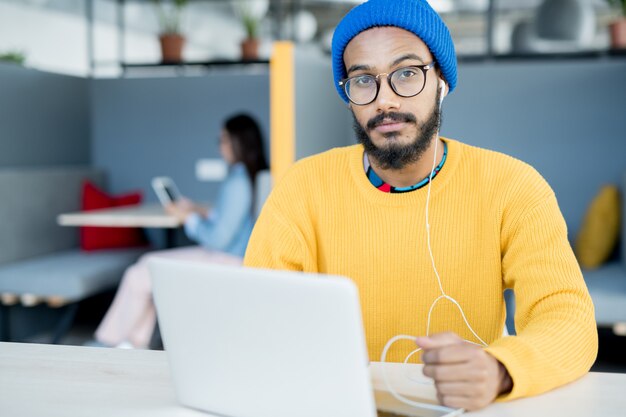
{"x": 251, "y": 12}
{"x": 14, "y": 57}
{"x": 170, "y": 37}
{"x": 618, "y": 27}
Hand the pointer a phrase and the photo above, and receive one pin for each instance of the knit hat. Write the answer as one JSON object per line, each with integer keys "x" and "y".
{"x": 413, "y": 15}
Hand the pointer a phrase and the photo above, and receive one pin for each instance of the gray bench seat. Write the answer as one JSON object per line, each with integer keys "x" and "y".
{"x": 70, "y": 275}
{"x": 60, "y": 279}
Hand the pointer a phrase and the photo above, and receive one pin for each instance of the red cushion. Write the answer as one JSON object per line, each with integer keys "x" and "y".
{"x": 94, "y": 238}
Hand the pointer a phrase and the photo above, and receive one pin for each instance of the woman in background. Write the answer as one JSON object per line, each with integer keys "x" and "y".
{"x": 221, "y": 232}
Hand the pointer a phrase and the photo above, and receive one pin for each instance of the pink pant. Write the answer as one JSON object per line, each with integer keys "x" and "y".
{"x": 131, "y": 317}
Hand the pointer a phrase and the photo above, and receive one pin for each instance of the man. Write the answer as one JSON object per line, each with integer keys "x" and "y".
{"x": 494, "y": 223}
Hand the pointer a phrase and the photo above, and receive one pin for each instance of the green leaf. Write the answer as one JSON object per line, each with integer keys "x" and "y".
{"x": 619, "y": 3}
{"x": 13, "y": 56}
{"x": 169, "y": 18}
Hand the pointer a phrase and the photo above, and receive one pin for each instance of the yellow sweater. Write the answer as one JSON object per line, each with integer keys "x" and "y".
{"x": 495, "y": 224}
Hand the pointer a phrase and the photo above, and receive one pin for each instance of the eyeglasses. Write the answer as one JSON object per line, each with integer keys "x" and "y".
{"x": 405, "y": 82}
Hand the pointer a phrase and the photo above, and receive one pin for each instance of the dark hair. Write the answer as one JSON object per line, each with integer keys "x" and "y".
{"x": 247, "y": 144}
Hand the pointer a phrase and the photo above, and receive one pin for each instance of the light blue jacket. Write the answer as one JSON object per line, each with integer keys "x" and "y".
{"x": 229, "y": 224}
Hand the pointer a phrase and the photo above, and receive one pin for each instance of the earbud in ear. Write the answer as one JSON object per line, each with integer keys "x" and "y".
{"x": 442, "y": 87}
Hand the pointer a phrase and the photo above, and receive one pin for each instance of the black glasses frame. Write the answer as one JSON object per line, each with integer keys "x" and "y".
{"x": 424, "y": 68}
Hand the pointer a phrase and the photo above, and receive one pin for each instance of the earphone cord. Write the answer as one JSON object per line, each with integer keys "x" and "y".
{"x": 443, "y": 296}
{"x": 432, "y": 259}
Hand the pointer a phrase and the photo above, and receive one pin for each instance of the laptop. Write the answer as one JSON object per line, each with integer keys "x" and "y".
{"x": 245, "y": 342}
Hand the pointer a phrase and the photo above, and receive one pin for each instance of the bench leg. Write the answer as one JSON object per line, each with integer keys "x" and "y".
{"x": 67, "y": 319}
{"x": 5, "y": 334}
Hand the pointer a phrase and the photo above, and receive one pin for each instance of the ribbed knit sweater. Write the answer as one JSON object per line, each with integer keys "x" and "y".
{"x": 495, "y": 224}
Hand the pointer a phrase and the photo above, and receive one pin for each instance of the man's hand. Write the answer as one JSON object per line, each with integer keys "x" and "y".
{"x": 465, "y": 375}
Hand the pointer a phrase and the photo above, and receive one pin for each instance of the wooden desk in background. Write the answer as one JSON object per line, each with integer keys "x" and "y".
{"x": 148, "y": 216}
{"x": 69, "y": 381}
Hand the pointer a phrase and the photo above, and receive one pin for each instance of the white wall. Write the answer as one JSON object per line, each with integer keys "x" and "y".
{"x": 52, "y": 41}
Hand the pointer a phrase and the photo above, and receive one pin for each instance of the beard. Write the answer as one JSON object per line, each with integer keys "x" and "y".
{"x": 394, "y": 155}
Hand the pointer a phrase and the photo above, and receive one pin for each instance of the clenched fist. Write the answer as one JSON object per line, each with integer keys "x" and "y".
{"x": 465, "y": 375}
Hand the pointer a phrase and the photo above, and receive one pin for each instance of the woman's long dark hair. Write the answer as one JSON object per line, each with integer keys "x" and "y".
{"x": 247, "y": 144}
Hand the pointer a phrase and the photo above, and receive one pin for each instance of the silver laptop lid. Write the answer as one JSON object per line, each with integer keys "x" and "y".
{"x": 257, "y": 343}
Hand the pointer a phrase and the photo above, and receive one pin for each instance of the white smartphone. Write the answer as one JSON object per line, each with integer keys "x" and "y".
{"x": 166, "y": 190}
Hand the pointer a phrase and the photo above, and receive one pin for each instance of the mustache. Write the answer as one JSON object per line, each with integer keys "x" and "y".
{"x": 396, "y": 117}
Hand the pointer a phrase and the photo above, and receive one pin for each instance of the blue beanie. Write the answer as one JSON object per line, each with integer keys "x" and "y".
{"x": 413, "y": 15}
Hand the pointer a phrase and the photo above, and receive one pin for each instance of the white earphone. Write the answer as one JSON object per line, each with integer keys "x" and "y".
{"x": 442, "y": 85}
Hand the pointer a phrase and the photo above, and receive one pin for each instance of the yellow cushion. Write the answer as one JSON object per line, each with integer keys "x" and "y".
{"x": 600, "y": 229}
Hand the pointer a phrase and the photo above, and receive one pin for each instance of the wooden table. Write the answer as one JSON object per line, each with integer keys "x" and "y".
{"x": 68, "y": 381}
{"x": 149, "y": 216}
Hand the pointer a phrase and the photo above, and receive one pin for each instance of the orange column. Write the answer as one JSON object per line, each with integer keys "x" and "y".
{"x": 282, "y": 109}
